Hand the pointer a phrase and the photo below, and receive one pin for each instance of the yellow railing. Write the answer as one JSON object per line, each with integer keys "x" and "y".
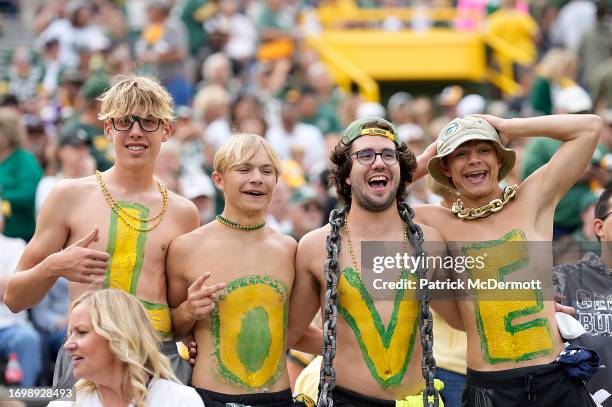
{"x": 344, "y": 53}
{"x": 344, "y": 71}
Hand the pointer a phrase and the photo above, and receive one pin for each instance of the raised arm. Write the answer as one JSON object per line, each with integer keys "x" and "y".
{"x": 579, "y": 134}
{"x": 43, "y": 260}
{"x": 304, "y": 301}
{"x": 422, "y": 160}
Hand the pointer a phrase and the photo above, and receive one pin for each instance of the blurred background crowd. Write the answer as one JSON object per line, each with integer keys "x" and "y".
{"x": 264, "y": 67}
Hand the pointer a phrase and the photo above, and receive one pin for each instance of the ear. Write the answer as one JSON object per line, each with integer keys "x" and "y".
{"x": 348, "y": 181}
{"x": 168, "y": 126}
{"x": 598, "y": 228}
{"x": 443, "y": 166}
{"x": 218, "y": 180}
{"x": 108, "y": 127}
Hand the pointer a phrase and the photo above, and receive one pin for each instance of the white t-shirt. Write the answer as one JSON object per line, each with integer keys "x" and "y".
{"x": 162, "y": 393}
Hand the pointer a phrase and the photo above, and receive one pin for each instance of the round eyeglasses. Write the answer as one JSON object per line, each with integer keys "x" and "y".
{"x": 148, "y": 124}
{"x": 368, "y": 156}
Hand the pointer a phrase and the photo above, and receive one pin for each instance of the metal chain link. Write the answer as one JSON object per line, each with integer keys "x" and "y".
{"x": 428, "y": 363}
{"x": 495, "y": 205}
{"x": 327, "y": 381}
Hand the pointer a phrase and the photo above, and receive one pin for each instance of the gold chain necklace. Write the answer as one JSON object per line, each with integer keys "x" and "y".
{"x": 495, "y": 205}
{"x": 350, "y": 243}
{"x": 125, "y": 215}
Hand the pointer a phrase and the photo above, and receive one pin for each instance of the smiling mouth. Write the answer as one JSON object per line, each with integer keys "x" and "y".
{"x": 378, "y": 182}
{"x": 136, "y": 148}
{"x": 254, "y": 193}
{"x": 476, "y": 176}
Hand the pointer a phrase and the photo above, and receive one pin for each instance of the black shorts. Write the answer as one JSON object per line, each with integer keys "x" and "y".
{"x": 532, "y": 386}
{"x": 347, "y": 398}
{"x": 277, "y": 399}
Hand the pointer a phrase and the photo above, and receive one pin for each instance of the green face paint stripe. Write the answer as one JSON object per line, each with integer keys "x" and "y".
{"x": 539, "y": 322}
{"x": 353, "y": 279}
{"x": 140, "y": 243}
{"x": 215, "y": 324}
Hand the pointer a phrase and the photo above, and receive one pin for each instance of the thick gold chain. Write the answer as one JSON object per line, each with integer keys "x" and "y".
{"x": 125, "y": 215}
{"x": 495, "y": 205}
{"x": 350, "y": 243}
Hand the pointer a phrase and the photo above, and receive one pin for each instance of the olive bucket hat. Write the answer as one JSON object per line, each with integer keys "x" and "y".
{"x": 461, "y": 130}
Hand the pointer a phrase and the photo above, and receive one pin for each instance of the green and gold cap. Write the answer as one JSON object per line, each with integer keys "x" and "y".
{"x": 356, "y": 130}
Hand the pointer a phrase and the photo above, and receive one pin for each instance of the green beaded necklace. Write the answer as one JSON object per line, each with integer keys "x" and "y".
{"x": 235, "y": 225}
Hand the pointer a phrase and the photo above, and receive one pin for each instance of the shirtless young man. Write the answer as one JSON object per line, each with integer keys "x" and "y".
{"x": 378, "y": 349}
{"x": 512, "y": 343}
{"x": 112, "y": 229}
{"x": 242, "y": 343}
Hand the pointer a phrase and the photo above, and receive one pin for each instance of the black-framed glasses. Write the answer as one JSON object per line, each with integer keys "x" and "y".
{"x": 368, "y": 156}
{"x": 603, "y": 218}
{"x": 148, "y": 124}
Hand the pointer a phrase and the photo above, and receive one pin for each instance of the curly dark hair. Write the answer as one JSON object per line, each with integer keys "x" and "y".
{"x": 341, "y": 170}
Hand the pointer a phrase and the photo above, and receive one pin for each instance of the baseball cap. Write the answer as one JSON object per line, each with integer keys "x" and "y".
{"x": 196, "y": 184}
{"x": 304, "y": 195}
{"x": 95, "y": 86}
{"x": 461, "y": 130}
{"x": 356, "y": 130}
{"x": 76, "y": 137}
{"x": 573, "y": 99}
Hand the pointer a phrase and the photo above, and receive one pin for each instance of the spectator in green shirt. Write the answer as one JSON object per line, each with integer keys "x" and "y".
{"x": 87, "y": 120}
{"x": 19, "y": 176}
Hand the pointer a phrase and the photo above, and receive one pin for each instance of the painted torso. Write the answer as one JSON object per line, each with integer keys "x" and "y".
{"x": 378, "y": 352}
{"x": 241, "y": 347}
{"x": 508, "y": 329}
{"x": 137, "y": 260}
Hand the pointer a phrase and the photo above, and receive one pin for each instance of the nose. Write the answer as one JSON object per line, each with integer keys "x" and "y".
{"x": 378, "y": 162}
{"x": 256, "y": 177}
{"x": 136, "y": 130}
{"x": 475, "y": 156}
{"x": 69, "y": 344}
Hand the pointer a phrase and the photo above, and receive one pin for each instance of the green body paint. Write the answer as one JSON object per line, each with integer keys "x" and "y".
{"x": 386, "y": 351}
{"x": 254, "y": 339}
{"x": 503, "y": 340}
{"x": 249, "y": 328}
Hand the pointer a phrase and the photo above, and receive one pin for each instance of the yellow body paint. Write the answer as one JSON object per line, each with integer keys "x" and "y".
{"x": 502, "y": 339}
{"x": 126, "y": 250}
{"x": 249, "y": 329}
{"x": 386, "y": 351}
{"x": 160, "y": 317}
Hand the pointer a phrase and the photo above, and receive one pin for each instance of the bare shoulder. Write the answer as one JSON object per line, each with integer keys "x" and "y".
{"x": 430, "y": 234}
{"x": 314, "y": 241}
{"x": 281, "y": 240}
{"x": 185, "y": 243}
{"x": 431, "y": 215}
{"x": 68, "y": 192}
{"x": 181, "y": 204}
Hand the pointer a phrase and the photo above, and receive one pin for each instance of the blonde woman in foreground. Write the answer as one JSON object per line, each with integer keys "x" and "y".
{"x": 115, "y": 356}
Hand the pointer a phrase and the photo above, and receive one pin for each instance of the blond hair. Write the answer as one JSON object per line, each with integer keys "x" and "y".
{"x": 120, "y": 319}
{"x": 133, "y": 94}
{"x": 240, "y": 148}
